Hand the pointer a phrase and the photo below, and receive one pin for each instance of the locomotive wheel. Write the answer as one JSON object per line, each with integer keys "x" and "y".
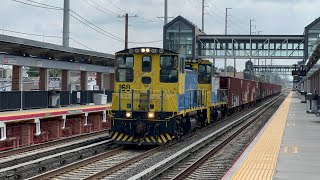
{"x": 179, "y": 131}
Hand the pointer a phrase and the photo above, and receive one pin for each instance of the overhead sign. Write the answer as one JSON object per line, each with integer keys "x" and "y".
{"x": 9, "y": 60}
{"x": 299, "y": 73}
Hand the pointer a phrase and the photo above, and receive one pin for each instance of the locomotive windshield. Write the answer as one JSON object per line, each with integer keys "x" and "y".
{"x": 168, "y": 72}
{"x": 204, "y": 73}
{"x": 124, "y": 71}
{"x": 146, "y": 64}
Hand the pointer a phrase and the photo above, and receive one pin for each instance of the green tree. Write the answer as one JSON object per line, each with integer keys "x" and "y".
{"x": 229, "y": 69}
{"x": 55, "y": 72}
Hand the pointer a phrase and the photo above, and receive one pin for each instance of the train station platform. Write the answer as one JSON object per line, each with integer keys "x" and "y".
{"x": 50, "y": 112}
{"x": 26, "y": 127}
{"x": 286, "y": 148}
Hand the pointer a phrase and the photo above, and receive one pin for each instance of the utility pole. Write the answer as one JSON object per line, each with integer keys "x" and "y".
{"x": 226, "y": 31}
{"x": 165, "y": 17}
{"x": 252, "y": 26}
{"x": 66, "y": 23}
{"x": 126, "y": 17}
{"x": 226, "y": 22}
{"x": 202, "y": 16}
{"x": 165, "y": 12}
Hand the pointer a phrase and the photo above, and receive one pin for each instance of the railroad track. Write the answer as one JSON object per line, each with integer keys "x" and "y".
{"x": 53, "y": 143}
{"x": 24, "y": 154}
{"x": 207, "y": 146}
{"x": 34, "y": 165}
{"x": 119, "y": 162}
{"x": 100, "y": 165}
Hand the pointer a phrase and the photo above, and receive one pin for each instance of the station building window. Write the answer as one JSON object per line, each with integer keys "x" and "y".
{"x": 179, "y": 38}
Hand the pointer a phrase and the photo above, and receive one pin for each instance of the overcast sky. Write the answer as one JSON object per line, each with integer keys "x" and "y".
{"x": 271, "y": 17}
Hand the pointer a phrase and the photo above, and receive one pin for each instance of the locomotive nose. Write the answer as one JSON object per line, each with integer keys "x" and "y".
{"x": 140, "y": 127}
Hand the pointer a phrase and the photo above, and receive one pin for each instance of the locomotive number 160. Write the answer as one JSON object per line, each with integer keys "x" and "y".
{"x": 124, "y": 86}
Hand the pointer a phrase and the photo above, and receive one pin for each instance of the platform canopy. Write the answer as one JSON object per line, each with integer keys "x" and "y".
{"x": 35, "y": 49}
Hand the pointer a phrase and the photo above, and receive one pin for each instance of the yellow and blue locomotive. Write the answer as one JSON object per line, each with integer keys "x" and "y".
{"x": 156, "y": 98}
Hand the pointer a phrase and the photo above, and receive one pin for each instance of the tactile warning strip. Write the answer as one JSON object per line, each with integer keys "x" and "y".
{"x": 261, "y": 161}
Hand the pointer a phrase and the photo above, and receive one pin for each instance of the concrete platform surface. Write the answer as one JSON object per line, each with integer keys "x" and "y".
{"x": 287, "y": 147}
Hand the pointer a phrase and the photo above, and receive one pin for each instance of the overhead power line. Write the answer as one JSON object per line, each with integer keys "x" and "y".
{"x": 81, "y": 44}
{"x": 31, "y": 34}
{"x": 94, "y": 27}
{"x": 39, "y": 5}
{"x": 100, "y": 8}
{"x": 82, "y": 20}
{"x": 43, "y": 35}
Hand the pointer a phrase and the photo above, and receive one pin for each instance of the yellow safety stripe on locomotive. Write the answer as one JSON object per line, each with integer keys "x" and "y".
{"x": 125, "y": 137}
{"x": 115, "y": 135}
{"x": 153, "y": 139}
{"x": 147, "y": 139}
{"x": 162, "y": 138}
{"x": 168, "y": 136}
{"x": 120, "y": 136}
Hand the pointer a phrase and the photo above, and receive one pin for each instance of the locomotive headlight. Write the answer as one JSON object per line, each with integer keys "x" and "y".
{"x": 150, "y": 115}
{"x": 143, "y": 50}
{"x": 147, "y": 50}
{"x": 128, "y": 114}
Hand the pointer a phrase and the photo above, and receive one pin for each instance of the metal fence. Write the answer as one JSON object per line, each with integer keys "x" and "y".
{"x": 14, "y": 100}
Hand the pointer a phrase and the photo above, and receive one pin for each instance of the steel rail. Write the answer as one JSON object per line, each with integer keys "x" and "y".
{"x": 76, "y": 165}
{"x": 191, "y": 168}
{"x": 50, "y": 143}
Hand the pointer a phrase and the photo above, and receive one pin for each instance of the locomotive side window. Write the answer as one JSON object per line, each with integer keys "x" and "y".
{"x": 168, "y": 72}
{"x": 168, "y": 76}
{"x": 125, "y": 61}
{"x": 124, "y": 75}
{"x": 124, "y": 71}
{"x": 168, "y": 62}
{"x": 146, "y": 64}
{"x": 204, "y": 73}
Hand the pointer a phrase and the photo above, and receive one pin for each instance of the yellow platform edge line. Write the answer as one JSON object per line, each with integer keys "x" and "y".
{"x": 262, "y": 159}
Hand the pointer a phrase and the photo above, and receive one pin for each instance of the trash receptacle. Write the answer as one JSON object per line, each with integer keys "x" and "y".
{"x": 99, "y": 99}
{"x": 311, "y": 102}
{"x": 308, "y": 98}
{"x": 54, "y": 99}
{"x": 303, "y": 97}
{"x": 314, "y": 103}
